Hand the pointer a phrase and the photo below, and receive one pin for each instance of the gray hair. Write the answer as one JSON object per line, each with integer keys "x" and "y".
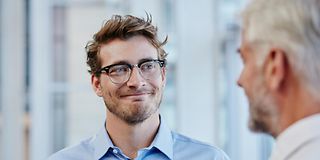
{"x": 292, "y": 25}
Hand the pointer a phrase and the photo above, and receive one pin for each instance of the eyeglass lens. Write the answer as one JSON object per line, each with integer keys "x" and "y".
{"x": 121, "y": 73}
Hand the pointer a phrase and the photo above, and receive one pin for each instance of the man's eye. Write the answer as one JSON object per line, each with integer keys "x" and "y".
{"x": 148, "y": 66}
{"x": 116, "y": 70}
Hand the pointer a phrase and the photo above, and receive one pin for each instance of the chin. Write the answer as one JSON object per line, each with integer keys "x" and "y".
{"x": 136, "y": 118}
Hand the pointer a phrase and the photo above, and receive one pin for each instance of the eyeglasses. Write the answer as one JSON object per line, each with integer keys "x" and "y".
{"x": 121, "y": 72}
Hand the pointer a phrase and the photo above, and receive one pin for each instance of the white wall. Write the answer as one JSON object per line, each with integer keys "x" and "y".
{"x": 40, "y": 79}
{"x": 12, "y": 73}
{"x": 196, "y": 69}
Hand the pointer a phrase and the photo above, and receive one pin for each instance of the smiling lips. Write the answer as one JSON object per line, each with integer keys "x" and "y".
{"x": 135, "y": 96}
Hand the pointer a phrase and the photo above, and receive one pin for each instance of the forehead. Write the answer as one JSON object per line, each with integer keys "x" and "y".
{"x": 244, "y": 47}
{"x": 244, "y": 37}
{"x": 131, "y": 50}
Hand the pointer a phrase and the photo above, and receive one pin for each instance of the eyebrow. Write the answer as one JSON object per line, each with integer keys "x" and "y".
{"x": 126, "y": 62}
{"x": 146, "y": 59}
{"x": 120, "y": 62}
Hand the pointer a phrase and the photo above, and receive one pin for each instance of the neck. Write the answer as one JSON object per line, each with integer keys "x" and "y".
{"x": 130, "y": 138}
{"x": 299, "y": 104}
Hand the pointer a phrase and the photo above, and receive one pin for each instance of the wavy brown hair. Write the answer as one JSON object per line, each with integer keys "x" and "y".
{"x": 122, "y": 27}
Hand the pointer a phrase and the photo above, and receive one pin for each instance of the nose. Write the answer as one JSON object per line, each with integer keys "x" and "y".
{"x": 136, "y": 80}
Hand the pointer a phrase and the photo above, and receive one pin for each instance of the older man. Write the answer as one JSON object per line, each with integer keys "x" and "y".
{"x": 281, "y": 76}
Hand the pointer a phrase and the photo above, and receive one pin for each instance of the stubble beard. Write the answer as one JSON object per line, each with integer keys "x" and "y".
{"x": 137, "y": 113}
{"x": 263, "y": 110}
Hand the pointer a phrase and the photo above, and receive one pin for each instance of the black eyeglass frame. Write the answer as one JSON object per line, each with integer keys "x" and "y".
{"x": 105, "y": 69}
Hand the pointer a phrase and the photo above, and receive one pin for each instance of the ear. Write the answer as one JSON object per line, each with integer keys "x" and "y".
{"x": 95, "y": 82}
{"x": 275, "y": 68}
{"x": 163, "y": 75}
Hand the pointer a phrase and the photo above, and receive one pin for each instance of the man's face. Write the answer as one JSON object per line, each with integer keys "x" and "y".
{"x": 261, "y": 104}
{"x": 138, "y": 98}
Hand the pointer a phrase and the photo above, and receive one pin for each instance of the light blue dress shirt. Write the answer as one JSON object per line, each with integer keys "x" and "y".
{"x": 167, "y": 145}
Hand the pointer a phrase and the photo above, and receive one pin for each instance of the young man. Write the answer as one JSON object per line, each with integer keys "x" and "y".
{"x": 281, "y": 75}
{"x": 127, "y": 63}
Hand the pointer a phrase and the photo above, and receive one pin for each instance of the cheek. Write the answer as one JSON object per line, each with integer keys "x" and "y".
{"x": 161, "y": 83}
{"x": 247, "y": 78}
{"x": 157, "y": 86}
{"x": 108, "y": 90}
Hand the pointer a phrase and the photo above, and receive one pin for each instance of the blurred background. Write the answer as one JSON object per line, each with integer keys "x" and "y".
{"x": 46, "y": 100}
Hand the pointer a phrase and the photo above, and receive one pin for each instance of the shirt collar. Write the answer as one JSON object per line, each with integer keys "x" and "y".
{"x": 101, "y": 143}
{"x": 295, "y": 135}
{"x": 163, "y": 141}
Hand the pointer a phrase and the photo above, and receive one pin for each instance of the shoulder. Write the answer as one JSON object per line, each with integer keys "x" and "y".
{"x": 309, "y": 150}
{"x": 187, "y": 147}
{"x": 80, "y": 151}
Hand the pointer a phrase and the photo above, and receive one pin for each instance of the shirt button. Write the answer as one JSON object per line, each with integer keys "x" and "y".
{"x": 115, "y": 151}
